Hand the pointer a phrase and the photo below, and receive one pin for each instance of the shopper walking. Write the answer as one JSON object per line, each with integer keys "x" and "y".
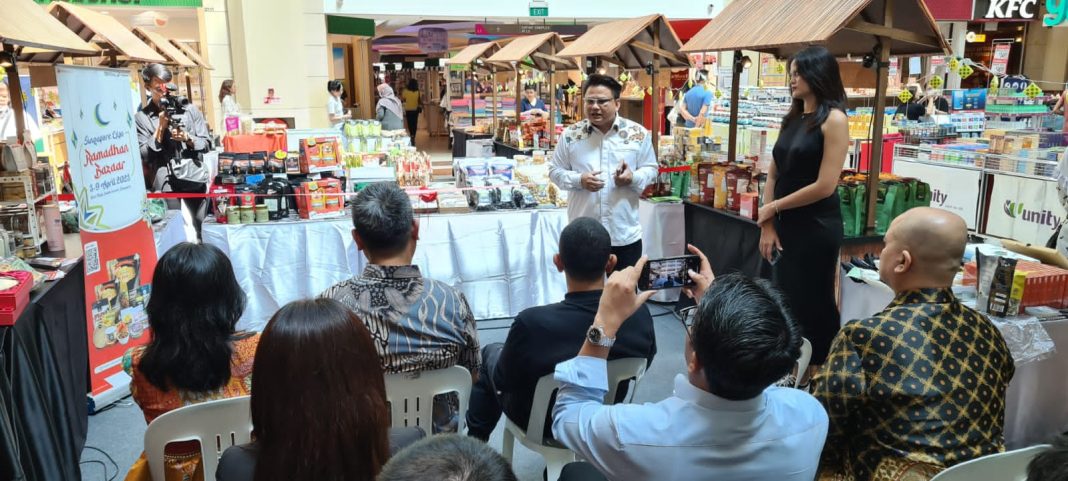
{"x": 335, "y": 108}
{"x": 801, "y": 224}
{"x": 606, "y": 161}
{"x": 389, "y": 110}
{"x": 413, "y": 106}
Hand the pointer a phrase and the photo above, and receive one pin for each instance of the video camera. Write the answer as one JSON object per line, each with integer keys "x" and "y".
{"x": 174, "y": 105}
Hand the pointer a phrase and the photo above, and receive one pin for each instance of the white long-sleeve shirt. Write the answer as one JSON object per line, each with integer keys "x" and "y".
{"x": 692, "y": 435}
{"x": 7, "y": 124}
{"x": 583, "y": 148}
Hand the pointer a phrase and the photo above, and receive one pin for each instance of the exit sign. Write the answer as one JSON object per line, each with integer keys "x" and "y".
{"x": 539, "y": 11}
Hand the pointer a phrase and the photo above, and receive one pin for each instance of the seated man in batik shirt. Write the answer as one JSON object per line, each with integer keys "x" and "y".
{"x": 921, "y": 385}
{"x": 417, "y": 324}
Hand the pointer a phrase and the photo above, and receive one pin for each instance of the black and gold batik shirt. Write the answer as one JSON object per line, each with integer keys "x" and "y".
{"x": 913, "y": 390}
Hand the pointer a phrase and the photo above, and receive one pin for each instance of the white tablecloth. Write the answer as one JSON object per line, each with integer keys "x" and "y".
{"x": 169, "y": 232}
{"x": 663, "y": 235}
{"x": 502, "y": 261}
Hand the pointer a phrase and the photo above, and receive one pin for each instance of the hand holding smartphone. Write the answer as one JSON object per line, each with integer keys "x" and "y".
{"x": 668, "y": 273}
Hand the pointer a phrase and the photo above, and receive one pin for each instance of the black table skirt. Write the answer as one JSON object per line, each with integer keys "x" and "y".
{"x": 731, "y": 242}
{"x": 44, "y": 362}
{"x": 502, "y": 149}
{"x": 459, "y": 141}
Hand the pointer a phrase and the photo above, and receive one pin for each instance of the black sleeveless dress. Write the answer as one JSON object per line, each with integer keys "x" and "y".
{"x": 811, "y": 238}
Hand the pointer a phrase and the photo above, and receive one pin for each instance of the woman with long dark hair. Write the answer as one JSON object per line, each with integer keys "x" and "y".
{"x": 318, "y": 400}
{"x": 228, "y": 99}
{"x": 413, "y": 105}
{"x": 195, "y": 354}
{"x": 801, "y": 221}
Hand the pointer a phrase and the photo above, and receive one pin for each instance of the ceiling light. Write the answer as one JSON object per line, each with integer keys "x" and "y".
{"x": 6, "y": 60}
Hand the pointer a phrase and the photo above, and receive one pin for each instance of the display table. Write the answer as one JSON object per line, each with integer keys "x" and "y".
{"x": 731, "y": 242}
{"x": 169, "y": 232}
{"x": 459, "y": 141}
{"x": 501, "y": 261}
{"x": 43, "y": 382}
{"x": 1035, "y": 408}
{"x": 502, "y": 149}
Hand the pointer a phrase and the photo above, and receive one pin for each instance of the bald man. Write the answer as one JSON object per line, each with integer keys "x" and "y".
{"x": 921, "y": 385}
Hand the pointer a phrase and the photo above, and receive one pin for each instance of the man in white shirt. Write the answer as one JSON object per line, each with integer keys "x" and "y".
{"x": 723, "y": 421}
{"x": 606, "y": 161}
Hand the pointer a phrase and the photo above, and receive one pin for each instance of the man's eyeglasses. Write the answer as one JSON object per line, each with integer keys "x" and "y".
{"x": 597, "y": 102}
{"x": 687, "y": 315}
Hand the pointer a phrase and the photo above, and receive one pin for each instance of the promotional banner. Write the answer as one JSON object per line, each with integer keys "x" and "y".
{"x": 1000, "y": 63}
{"x": 120, "y": 254}
{"x": 1023, "y": 209}
{"x": 952, "y": 189}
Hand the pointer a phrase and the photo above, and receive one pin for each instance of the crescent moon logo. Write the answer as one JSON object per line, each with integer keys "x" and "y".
{"x": 99, "y": 121}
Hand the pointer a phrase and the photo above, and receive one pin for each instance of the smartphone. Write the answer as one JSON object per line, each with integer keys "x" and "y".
{"x": 668, "y": 272}
{"x": 776, "y": 255}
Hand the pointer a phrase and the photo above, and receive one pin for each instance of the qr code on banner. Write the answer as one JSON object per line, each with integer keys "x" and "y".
{"x": 92, "y": 258}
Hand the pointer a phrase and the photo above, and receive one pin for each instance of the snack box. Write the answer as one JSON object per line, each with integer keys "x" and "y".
{"x": 317, "y": 154}
{"x": 319, "y": 199}
{"x": 15, "y": 299}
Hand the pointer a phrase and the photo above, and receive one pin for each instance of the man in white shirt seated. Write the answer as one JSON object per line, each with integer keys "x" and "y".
{"x": 724, "y": 421}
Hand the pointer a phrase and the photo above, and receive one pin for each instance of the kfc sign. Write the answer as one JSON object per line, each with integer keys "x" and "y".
{"x": 1006, "y": 9}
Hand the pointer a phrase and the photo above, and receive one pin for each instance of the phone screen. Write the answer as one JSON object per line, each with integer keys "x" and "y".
{"x": 668, "y": 273}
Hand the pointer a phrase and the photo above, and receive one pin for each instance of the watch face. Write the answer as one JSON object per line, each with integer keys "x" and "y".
{"x": 594, "y": 335}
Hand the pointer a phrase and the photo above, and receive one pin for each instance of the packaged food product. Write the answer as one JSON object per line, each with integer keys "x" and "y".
{"x": 706, "y": 184}
{"x": 248, "y": 214}
{"x": 719, "y": 180}
{"x": 318, "y": 199}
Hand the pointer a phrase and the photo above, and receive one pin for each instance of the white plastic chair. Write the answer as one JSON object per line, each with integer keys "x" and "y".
{"x": 619, "y": 371}
{"x": 1010, "y": 466}
{"x": 802, "y": 362}
{"x": 216, "y": 424}
{"x": 411, "y": 395}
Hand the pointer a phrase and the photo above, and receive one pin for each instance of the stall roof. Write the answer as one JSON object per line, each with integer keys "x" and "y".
{"x": 25, "y": 24}
{"x": 164, "y": 47}
{"x": 474, "y": 52}
{"x": 629, "y": 43}
{"x": 782, "y": 27}
{"x": 540, "y": 48}
{"x": 192, "y": 54}
{"x": 95, "y": 27}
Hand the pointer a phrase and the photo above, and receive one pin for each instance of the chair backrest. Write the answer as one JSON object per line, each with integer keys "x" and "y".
{"x": 411, "y": 395}
{"x": 619, "y": 371}
{"x": 216, "y": 424}
{"x": 1010, "y": 466}
{"x": 802, "y": 362}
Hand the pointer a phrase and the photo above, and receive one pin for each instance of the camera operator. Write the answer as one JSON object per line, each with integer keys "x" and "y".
{"x": 173, "y": 137}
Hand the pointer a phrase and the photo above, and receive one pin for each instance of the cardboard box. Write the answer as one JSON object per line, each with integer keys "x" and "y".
{"x": 319, "y": 154}
{"x": 706, "y": 188}
{"x": 318, "y": 199}
{"x": 748, "y": 205}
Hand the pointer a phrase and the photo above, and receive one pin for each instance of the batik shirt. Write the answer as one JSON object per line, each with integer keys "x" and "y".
{"x": 417, "y": 324}
{"x": 917, "y": 388}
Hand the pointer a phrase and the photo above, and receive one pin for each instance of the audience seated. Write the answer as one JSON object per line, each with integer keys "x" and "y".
{"x": 725, "y": 420}
{"x": 318, "y": 401}
{"x": 194, "y": 355}
{"x": 921, "y": 385}
{"x": 541, "y": 337}
{"x": 448, "y": 457}
{"x": 417, "y": 324}
{"x": 1051, "y": 465}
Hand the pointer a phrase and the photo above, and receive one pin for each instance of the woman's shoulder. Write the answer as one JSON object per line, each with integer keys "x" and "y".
{"x": 836, "y": 119}
{"x": 238, "y": 463}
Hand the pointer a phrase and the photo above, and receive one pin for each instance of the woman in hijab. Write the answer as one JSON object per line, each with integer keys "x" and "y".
{"x": 389, "y": 110}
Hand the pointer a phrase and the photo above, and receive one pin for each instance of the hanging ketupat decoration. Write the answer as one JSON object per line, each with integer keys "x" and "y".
{"x": 904, "y": 96}
{"x": 965, "y": 71}
{"x": 935, "y": 82}
{"x": 1032, "y": 91}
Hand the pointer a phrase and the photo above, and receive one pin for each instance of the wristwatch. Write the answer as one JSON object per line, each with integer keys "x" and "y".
{"x": 596, "y": 336}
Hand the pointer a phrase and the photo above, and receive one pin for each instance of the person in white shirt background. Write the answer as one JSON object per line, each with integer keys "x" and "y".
{"x": 228, "y": 98}
{"x": 334, "y": 107}
{"x": 605, "y": 162}
{"x": 725, "y": 420}
{"x": 7, "y": 117}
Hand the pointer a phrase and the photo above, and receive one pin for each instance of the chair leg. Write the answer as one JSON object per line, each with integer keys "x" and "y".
{"x": 507, "y": 445}
{"x": 555, "y": 462}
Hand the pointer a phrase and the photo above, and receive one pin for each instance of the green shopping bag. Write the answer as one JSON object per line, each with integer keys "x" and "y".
{"x": 860, "y": 207}
{"x": 921, "y": 194}
{"x": 847, "y": 195}
{"x": 893, "y": 199}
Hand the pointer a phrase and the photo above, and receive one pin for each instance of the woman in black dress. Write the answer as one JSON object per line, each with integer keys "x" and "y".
{"x": 801, "y": 222}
